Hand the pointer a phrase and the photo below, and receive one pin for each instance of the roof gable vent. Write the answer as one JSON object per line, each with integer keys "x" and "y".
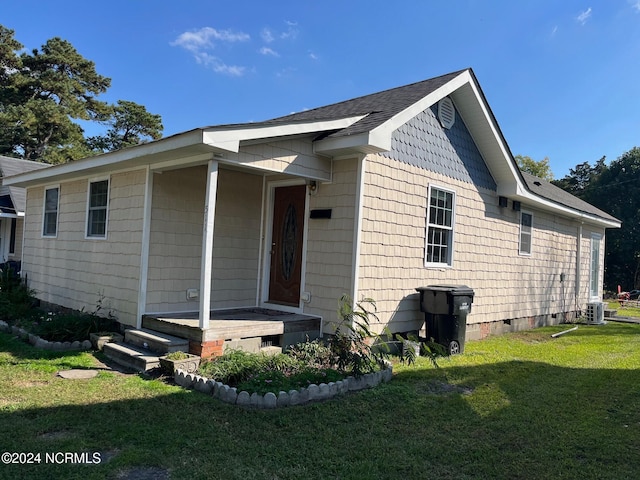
{"x": 446, "y": 112}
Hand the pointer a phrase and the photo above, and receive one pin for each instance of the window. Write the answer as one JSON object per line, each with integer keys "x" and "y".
{"x": 594, "y": 270}
{"x": 97, "y": 211}
{"x": 50, "y": 217}
{"x": 526, "y": 232}
{"x": 440, "y": 221}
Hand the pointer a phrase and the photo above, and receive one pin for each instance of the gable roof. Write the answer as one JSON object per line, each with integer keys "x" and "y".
{"x": 361, "y": 125}
{"x": 12, "y": 198}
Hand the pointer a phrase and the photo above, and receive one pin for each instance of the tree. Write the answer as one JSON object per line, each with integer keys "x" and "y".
{"x": 130, "y": 124}
{"x": 43, "y": 93}
{"x": 581, "y": 177}
{"x": 540, "y": 169}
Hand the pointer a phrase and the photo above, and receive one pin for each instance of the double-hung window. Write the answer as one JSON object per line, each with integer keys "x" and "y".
{"x": 526, "y": 233}
{"x": 440, "y": 223}
{"x": 97, "y": 209}
{"x": 50, "y": 217}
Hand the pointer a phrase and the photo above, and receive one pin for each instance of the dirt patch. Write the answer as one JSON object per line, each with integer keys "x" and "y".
{"x": 29, "y": 383}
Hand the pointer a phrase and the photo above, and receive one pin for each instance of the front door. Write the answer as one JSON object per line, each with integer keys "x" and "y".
{"x": 286, "y": 247}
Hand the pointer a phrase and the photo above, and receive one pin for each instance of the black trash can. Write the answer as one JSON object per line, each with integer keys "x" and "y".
{"x": 446, "y": 308}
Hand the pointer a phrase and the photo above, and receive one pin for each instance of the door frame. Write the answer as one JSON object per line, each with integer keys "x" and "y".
{"x": 268, "y": 239}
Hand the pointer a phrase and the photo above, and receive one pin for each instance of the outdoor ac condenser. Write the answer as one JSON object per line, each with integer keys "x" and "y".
{"x": 595, "y": 313}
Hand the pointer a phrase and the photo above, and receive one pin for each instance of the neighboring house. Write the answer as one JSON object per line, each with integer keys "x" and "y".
{"x": 12, "y": 206}
{"x": 372, "y": 197}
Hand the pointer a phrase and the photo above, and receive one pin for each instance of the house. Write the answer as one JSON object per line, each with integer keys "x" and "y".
{"x": 12, "y": 206}
{"x": 371, "y": 197}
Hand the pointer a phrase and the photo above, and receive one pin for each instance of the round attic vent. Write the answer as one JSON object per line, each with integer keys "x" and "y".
{"x": 446, "y": 112}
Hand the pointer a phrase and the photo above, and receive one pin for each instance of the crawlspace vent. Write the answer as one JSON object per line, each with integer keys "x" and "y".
{"x": 446, "y": 113}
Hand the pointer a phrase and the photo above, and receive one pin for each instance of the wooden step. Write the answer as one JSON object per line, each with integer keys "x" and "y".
{"x": 157, "y": 342}
{"x": 130, "y": 356}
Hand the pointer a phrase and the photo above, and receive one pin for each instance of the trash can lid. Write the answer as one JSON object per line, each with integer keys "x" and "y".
{"x": 452, "y": 289}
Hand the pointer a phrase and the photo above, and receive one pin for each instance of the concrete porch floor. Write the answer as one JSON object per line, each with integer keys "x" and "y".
{"x": 238, "y": 324}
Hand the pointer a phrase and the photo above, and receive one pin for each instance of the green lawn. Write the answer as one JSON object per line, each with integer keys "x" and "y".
{"x": 520, "y": 406}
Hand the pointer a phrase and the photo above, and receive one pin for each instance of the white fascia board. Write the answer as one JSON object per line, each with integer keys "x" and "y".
{"x": 229, "y": 139}
{"x": 362, "y": 142}
{"x": 387, "y": 128}
{"x": 187, "y": 139}
{"x": 534, "y": 200}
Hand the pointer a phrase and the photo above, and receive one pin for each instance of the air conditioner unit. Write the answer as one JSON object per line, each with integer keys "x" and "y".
{"x": 595, "y": 313}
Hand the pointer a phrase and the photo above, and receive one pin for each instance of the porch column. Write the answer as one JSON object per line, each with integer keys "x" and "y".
{"x": 207, "y": 244}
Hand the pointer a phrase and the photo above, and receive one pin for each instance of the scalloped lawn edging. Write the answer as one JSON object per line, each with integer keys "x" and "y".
{"x": 39, "y": 342}
{"x": 312, "y": 393}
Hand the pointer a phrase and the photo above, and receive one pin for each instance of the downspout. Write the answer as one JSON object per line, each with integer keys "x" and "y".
{"x": 357, "y": 228}
{"x": 578, "y": 268}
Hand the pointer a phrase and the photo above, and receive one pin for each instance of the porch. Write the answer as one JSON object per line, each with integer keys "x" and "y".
{"x": 249, "y": 329}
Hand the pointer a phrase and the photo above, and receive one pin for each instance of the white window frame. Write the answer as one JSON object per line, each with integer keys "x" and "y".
{"x": 594, "y": 273}
{"x": 524, "y": 233}
{"x": 87, "y": 234}
{"x": 449, "y": 260}
{"x": 45, "y": 212}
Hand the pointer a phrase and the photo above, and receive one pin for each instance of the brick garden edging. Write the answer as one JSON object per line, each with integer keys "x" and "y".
{"x": 312, "y": 393}
{"x": 38, "y": 342}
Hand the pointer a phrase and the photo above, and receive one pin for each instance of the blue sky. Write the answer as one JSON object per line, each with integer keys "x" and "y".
{"x": 562, "y": 77}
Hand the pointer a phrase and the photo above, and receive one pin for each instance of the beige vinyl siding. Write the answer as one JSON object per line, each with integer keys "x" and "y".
{"x": 293, "y": 157}
{"x": 76, "y": 272}
{"x": 176, "y": 239}
{"x": 329, "y": 266}
{"x": 485, "y": 257}
{"x": 236, "y": 244}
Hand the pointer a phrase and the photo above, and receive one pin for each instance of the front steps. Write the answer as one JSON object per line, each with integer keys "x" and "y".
{"x": 142, "y": 348}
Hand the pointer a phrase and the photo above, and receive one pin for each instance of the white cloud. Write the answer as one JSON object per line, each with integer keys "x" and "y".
{"x": 584, "y": 16}
{"x": 313, "y": 56}
{"x": 555, "y": 29}
{"x": 635, "y": 4}
{"x": 200, "y": 42}
{"x": 266, "y": 35}
{"x": 268, "y": 51}
{"x": 206, "y": 37}
{"x": 218, "y": 66}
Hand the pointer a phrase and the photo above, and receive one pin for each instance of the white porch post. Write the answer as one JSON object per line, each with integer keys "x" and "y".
{"x": 207, "y": 244}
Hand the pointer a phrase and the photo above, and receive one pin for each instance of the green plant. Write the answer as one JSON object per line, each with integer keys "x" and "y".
{"x": 177, "y": 356}
{"x": 352, "y": 341}
{"x": 276, "y": 381}
{"x": 429, "y": 349}
{"x": 72, "y": 326}
{"x": 313, "y": 353}
{"x": 16, "y": 299}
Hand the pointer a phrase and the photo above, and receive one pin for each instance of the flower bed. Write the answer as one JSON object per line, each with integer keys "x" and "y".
{"x": 312, "y": 393}
{"x": 38, "y": 342}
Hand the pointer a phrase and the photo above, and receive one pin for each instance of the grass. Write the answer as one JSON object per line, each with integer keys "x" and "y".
{"x": 519, "y": 406}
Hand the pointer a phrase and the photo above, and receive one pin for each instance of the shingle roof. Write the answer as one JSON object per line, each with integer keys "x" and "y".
{"x": 549, "y": 191}
{"x": 14, "y": 166}
{"x": 378, "y": 107}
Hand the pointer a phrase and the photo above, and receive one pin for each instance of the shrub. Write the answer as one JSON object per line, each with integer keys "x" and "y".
{"x": 69, "y": 327}
{"x": 313, "y": 353}
{"x": 351, "y": 343}
{"x": 277, "y": 381}
{"x": 16, "y": 299}
{"x": 236, "y": 366}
